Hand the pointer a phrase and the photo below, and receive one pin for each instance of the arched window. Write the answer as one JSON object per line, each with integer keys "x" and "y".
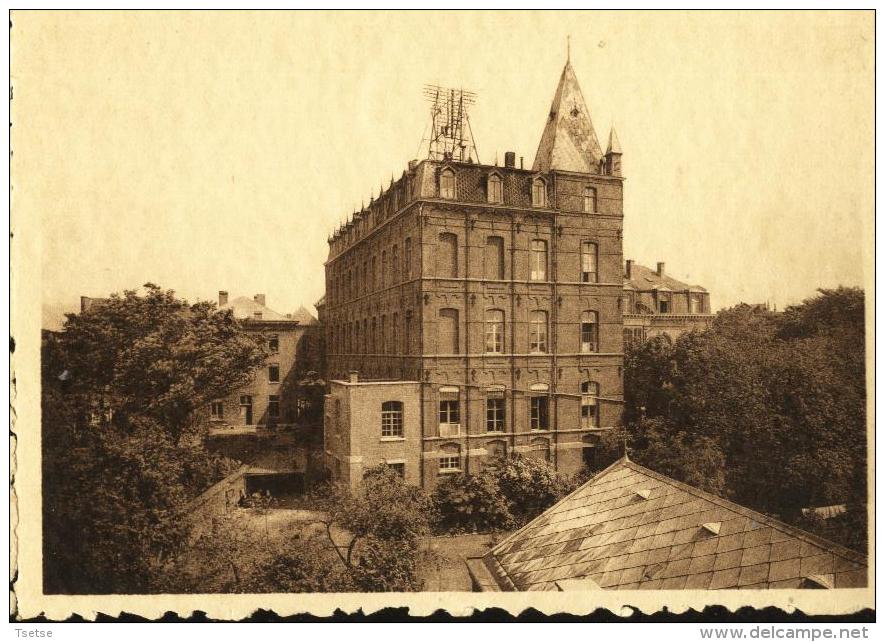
{"x": 392, "y": 419}
{"x": 589, "y": 199}
{"x": 589, "y": 331}
{"x": 447, "y": 184}
{"x": 382, "y": 276}
{"x": 374, "y": 346}
{"x": 539, "y": 449}
{"x": 495, "y": 331}
{"x": 447, "y": 255}
{"x": 447, "y": 335}
{"x": 589, "y": 262}
{"x": 495, "y": 189}
{"x": 493, "y": 258}
{"x": 394, "y": 264}
{"x": 538, "y": 267}
{"x": 450, "y": 458}
{"x": 539, "y": 193}
{"x": 589, "y": 405}
{"x": 383, "y": 334}
{"x": 537, "y": 331}
{"x": 394, "y": 336}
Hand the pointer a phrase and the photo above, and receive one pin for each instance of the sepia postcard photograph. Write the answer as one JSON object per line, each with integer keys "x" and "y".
{"x": 561, "y": 312}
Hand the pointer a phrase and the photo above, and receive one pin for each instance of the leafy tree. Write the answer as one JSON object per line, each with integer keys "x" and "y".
{"x": 384, "y": 521}
{"x": 124, "y": 387}
{"x": 529, "y": 485}
{"x": 765, "y": 408}
{"x": 471, "y": 502}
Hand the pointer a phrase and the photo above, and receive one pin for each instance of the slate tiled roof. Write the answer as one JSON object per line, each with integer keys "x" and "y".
{"x": 245, "y": 308}
{"x": 304, "y": 317}
{"x": 643, "y": 278}
{"x": 569, "y": 140}
{"x": 608, "y": 535}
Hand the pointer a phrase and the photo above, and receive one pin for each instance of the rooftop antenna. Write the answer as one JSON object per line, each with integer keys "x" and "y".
{"x": 451, "y": 137}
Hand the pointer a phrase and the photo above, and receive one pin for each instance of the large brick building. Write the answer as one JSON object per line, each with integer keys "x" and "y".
{"x": 474, "y": 310}
{"x": 656, "y": 304}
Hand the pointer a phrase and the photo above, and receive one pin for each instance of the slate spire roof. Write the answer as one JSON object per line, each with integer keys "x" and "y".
{"x": 569, "y": 140}
{"x": 614, "y": 145}
{"x": 632, "y": 528}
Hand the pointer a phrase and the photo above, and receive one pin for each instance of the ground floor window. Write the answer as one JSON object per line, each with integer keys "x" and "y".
{"x": 273, "y": 407}
{"x": 450, "y": 461}
{"x": 216, "y": 410}
{"x": 399, "y": 468}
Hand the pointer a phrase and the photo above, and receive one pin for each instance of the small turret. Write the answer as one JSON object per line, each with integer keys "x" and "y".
{"x": 613, "y": 154}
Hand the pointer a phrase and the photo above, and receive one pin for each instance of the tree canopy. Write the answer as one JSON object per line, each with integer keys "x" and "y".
{"x": 124, "y": 387}
{"x": 768, "y": 409}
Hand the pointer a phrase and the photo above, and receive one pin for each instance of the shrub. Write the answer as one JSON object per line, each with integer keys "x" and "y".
{"x": 471, "y": 503}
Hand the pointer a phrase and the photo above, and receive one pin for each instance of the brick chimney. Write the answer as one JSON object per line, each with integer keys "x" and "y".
{"x": 660, "y": 268}
{"x": 259, "y": 299}
{"x": 509, "y": 159}
{"x": 222, "y": 297}
{"x": 628, "y": 269}
{"x": 354, "y": 376}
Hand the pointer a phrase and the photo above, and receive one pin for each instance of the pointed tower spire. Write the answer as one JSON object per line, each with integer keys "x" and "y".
{"x": 569, "y": 140}
{"x": 614, "y": 145}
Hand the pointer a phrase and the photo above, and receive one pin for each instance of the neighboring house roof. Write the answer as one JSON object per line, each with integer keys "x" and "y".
{"x": 245, "y": 308}
{"x": 569, "y": 140}
{"x": 304, "y": 317}
{"x": 643, "y": 278}
{"x": 632, "y": 528}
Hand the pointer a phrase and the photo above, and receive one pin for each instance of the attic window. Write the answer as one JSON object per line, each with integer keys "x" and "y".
{"x": 712, "y": 527}
{"x": 816, "y": 582}
{"x": 644, "y": 493}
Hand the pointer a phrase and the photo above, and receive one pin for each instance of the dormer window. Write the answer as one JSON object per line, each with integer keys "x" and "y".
{"x": 539, "y": 193}
{"x": 447, "y": 184}
{"x": 495, "y": 189}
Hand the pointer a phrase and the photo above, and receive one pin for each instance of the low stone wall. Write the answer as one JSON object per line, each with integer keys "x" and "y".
{"x": 219, "y": 499}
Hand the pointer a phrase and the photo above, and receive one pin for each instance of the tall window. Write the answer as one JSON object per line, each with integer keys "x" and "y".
{"x": 589, "y": 199}
{"x": 394, "y": 264}
{"x": 496, "y": 189}
{"x": 493, "y": 258}
{"x": 696, "y": 303}
{"x": 407, "y": 258}
{"x": 392, "y": 419}
{"x": 447, "y": 339}
{"x": 589, "y": 262}
{"x": 273, "y": 407}
{"x": 216, "y": 411}
{"x": 664, "y": 302}
{"x": 273, "y": 373}
{"x": 273, "y": 343}
{"x": 447, "y": 184}
{"x": 382, "y": 332}
{"x": 495, "y": 412}
{"x": 374, "y": 336}
{"x": 539, "y": 260}
{"x": 589, "y": 406}
{"x": 407, "y": 333}
{"x": 449, "y": 412}
{"x": 538, "y": 418}
{"x": 447, "y": 255}
{"x": 382, "y": 276}
{"x": 374, "y": 278}
{"x": 538, "y": 331}
{"x": 539, "y": 193}
{"x": 450, "y": 459}
{"x": 589, "y": 332}
{"x": 495, "y": 331}
{"x": 394, "y": 336}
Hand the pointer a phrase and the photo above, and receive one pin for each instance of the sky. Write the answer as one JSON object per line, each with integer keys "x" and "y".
{"x": 217, "y": 151}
